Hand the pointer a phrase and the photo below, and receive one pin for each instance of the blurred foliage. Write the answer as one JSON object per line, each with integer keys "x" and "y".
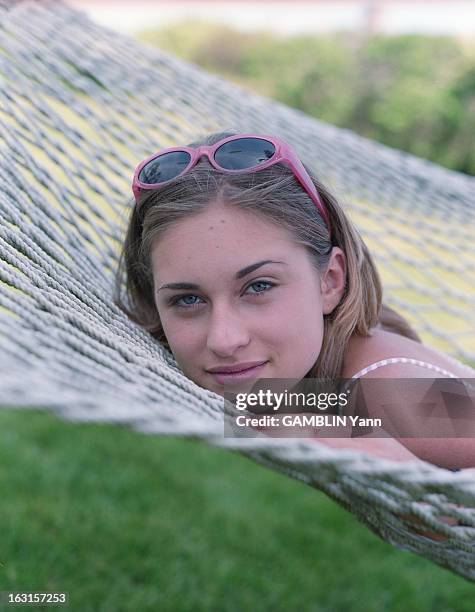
{"x": 411, "y": 92}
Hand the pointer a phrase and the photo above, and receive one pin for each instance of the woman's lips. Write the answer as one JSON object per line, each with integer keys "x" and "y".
{"x": 226, "y": 378}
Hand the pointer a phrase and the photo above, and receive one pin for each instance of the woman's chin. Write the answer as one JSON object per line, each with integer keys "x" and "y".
{"x": 231, "y": 390}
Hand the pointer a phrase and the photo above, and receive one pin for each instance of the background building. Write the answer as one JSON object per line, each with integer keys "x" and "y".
{"x": 454, "y": 17}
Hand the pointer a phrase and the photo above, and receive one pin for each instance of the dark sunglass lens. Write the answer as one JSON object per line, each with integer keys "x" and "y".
{"x": 165, "y": 167}
{"x": 244, "y": 153}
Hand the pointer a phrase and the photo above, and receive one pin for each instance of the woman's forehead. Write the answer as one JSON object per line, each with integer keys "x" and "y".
{"x": 223, "y": 231}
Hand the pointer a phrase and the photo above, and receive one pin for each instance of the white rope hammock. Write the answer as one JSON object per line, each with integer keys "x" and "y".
{"x": 79, "y": 107}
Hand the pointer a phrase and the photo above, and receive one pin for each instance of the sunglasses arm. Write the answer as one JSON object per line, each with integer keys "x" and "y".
{"x": 304, "y": 179}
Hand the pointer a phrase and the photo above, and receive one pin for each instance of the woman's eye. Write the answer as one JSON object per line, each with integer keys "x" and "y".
{"x": 188, "y": 305}
{"x": 175, "y": 301}
{"x": 262, "y": 283}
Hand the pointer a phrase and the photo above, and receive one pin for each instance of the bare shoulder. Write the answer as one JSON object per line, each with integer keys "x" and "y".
{"x": 441, "y": 447}
{"x": 362, "y": 351}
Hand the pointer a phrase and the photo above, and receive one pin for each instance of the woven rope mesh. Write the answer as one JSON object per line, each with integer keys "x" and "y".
{"x": 80, "y": 105}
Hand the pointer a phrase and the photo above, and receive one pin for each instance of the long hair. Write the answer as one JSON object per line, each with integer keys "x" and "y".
{"x": 275, "y": 194}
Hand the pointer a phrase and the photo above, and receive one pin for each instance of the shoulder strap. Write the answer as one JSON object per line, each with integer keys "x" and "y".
{"x": 390, "y": 361}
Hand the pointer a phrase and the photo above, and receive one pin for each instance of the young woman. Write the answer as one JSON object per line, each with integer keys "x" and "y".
{"x": 244, "y": 266}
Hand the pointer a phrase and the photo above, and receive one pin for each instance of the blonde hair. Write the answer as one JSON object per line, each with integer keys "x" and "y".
{"x": 275, "y": 194}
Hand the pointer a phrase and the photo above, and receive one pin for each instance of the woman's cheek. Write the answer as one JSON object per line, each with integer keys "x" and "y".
{"x": 179, "y": 332}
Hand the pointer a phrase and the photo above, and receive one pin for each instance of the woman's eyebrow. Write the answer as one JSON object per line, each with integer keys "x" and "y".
{"x": 244, "y": 272}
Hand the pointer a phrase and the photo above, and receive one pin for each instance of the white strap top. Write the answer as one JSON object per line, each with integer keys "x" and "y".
{"x": 424, "y": 364}
{"x": 383, "y": 362}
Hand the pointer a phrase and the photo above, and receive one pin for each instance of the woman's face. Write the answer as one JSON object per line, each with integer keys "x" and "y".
{"x": 272, "y": 313}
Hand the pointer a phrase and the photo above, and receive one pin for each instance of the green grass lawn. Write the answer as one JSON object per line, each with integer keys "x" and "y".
{"x": 126, "y": 521}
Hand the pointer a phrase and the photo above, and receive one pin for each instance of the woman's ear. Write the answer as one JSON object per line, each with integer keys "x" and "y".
{"x": 333, "y": 281}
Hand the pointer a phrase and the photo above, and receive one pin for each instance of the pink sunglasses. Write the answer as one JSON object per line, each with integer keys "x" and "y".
{"x": 232, "y": 155}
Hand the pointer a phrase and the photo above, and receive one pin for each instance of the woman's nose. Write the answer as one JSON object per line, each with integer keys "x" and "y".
{"x": 227, "y": 333}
